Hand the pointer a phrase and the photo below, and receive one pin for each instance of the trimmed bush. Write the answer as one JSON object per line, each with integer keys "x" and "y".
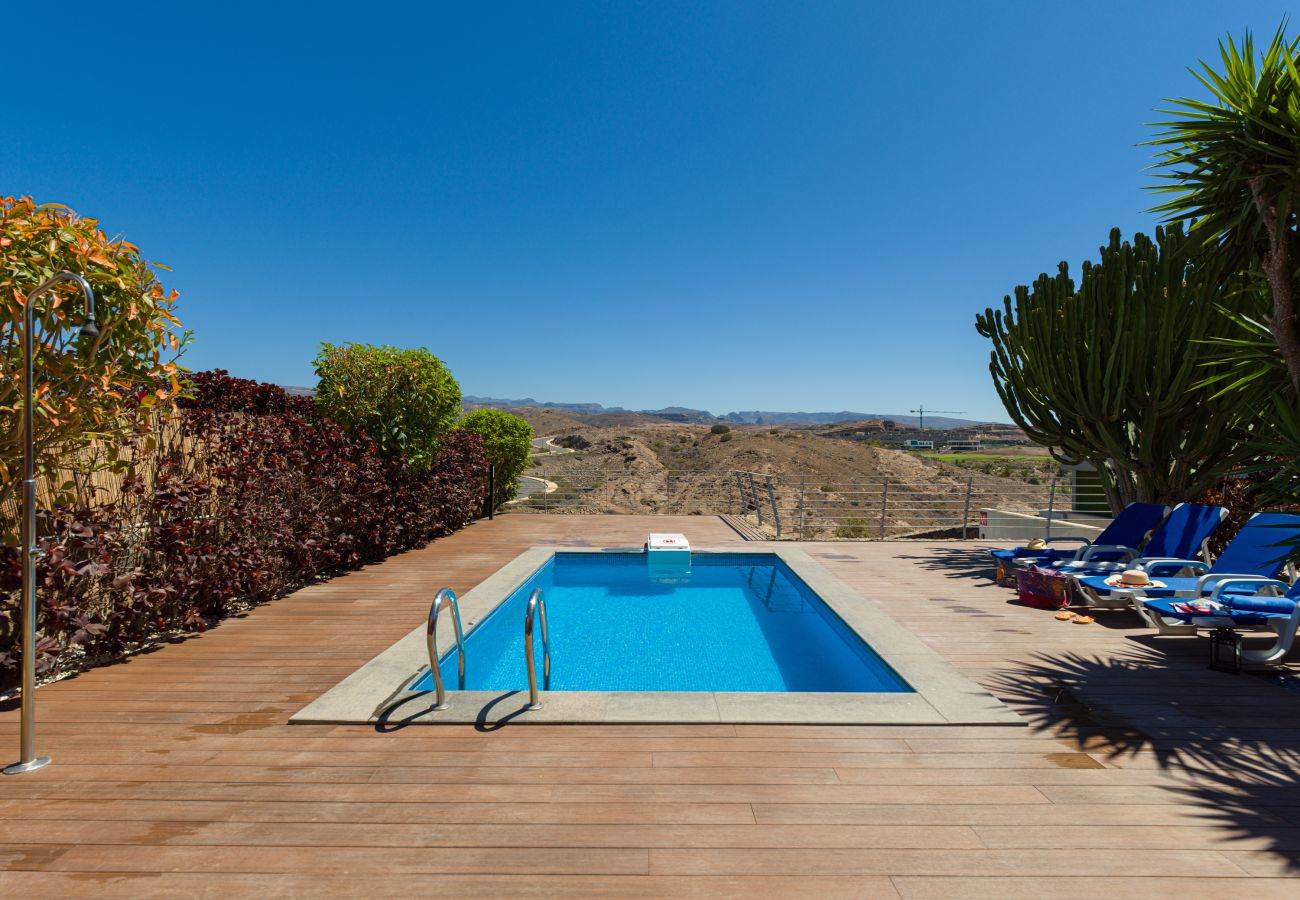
{"x": 247, "y": 494}
{"x": 404, "y": 399}
{"x": 507, "y": 441}
{"x": 719, "y": 429}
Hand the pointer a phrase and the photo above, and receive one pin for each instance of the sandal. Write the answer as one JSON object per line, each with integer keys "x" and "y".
{"x": 1084, "y": 620}
{"x": 1066, "y": 616}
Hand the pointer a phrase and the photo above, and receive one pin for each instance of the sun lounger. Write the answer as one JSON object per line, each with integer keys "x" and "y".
{"x": 1182, "y": 535}
{"x": 1244, "y": 609}
{"x": 1255, "y": 553}
{"x": 1118, "y": 540}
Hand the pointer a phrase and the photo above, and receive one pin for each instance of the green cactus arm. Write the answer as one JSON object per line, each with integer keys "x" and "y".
{"x": 1111, "y": 369}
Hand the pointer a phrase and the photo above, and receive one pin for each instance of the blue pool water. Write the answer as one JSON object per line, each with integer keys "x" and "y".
{"x": 734, "y": 622}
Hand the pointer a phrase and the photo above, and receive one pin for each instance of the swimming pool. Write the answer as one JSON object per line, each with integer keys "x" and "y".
{"x": 752, "y": 635}
{"x": 731, "y": 622}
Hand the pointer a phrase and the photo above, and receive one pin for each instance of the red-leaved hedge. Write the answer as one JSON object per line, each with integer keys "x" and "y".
{"x": 247, "y": 495}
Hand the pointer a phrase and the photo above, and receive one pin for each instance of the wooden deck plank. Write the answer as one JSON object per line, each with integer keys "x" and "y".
{"x": 176, "y": 774}
{"x": 169, "y": 885}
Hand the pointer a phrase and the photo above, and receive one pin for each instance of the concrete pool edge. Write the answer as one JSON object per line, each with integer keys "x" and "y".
{"x": 941, "y": 695}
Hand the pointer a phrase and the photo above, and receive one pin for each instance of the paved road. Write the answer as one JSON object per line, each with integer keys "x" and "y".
{"x": 544, "y": 445}
{"x": 529, "y": 486}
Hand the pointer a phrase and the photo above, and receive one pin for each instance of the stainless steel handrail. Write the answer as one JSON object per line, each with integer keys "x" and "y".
{"x": 444, "y": 597}
{"x": 536, "y": 602}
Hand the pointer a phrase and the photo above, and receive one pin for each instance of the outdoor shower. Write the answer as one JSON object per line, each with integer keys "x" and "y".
{"x": 28, "y": 760}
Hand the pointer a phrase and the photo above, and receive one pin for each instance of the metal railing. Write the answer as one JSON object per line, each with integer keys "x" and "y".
{"x": 801, "y": 507}
{"x": 536, "y": 603}
{"x": 672, "y": 492}
{"x": 893, "y": 509}
{"x": 444, "y": 597}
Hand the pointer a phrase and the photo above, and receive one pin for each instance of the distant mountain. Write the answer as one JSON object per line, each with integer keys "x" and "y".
{"x": 591, "y": 409}
{"x": 681, "y": 414}
{"x": 750, "y": 417}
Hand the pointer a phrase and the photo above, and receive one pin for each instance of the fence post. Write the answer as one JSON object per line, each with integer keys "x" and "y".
{"x": 803, "y": 487}
{"x": 1051, "y": 508}
{"x": 753, "y": 495}
{"x": 965, "y": 516}
{"x": 884, "y": 508}
{"x": 776, "y": 513}
{"x": 492, "y": 490}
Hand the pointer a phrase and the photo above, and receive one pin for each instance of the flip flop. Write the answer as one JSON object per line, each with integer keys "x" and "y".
{"x": 1066, "y": 616}
{"x": 1084, "y": 620}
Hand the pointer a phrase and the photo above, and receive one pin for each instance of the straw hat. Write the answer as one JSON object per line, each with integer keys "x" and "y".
{"x": 1133, "y": 578}
{"x": 1037, "y": 544}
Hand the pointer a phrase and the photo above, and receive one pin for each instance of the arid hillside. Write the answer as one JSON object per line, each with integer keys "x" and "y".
{"x": 666, "y": 467}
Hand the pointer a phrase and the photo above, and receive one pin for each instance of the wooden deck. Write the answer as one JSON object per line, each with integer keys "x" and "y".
{"x": 1141, "y": 773}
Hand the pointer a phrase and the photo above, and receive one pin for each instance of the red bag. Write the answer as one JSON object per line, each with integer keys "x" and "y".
{"x": 1043, "y": 588}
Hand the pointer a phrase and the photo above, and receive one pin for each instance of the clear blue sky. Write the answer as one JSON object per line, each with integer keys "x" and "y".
{"x": 724, "y": 205}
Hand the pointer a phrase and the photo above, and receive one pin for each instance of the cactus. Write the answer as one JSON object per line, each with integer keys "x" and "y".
{"x": 1112, "y": 372}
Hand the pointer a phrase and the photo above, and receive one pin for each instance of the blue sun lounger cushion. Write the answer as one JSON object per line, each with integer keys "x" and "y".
{"x": 1184, "y": 532}
{"x": 1243, "y": 604}
{"x": 1244, "y": 618}
{"x": 1180, "y": 536}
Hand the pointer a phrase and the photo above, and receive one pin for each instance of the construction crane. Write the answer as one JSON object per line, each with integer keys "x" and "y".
{"x": 921, "y": 412}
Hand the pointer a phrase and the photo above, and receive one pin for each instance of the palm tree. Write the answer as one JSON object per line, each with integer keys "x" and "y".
{"x": 1233, "y": 164}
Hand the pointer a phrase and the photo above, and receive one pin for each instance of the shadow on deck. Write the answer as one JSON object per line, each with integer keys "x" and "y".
{"x": 1232, "y": 742}
{"x": 972, "y": 564}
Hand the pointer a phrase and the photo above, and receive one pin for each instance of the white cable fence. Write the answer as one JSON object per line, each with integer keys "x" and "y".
{"x": 795, "y": 507}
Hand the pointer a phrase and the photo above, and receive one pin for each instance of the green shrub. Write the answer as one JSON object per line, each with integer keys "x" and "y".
{"x": 507, "y": 440}
{"x": 725, "y": 438}
{"x": 404, "y": 399}
{"x": 86, "y": 386}
{"x": 856, "y": 529}
{"x": 719, "y": 429}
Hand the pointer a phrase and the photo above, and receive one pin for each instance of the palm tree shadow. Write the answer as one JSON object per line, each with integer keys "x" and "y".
{"x": 967, "y": 563}
{"x": 1231, "y": 742}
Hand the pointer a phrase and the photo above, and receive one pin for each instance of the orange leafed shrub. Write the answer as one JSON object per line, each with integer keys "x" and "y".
{"x": 86, "y": 389}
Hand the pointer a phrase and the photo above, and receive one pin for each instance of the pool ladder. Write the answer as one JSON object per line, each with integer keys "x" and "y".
{"x": 444, "y": 598}
{"x": 536, "y": 609}
{"x": 536, "y": 604}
